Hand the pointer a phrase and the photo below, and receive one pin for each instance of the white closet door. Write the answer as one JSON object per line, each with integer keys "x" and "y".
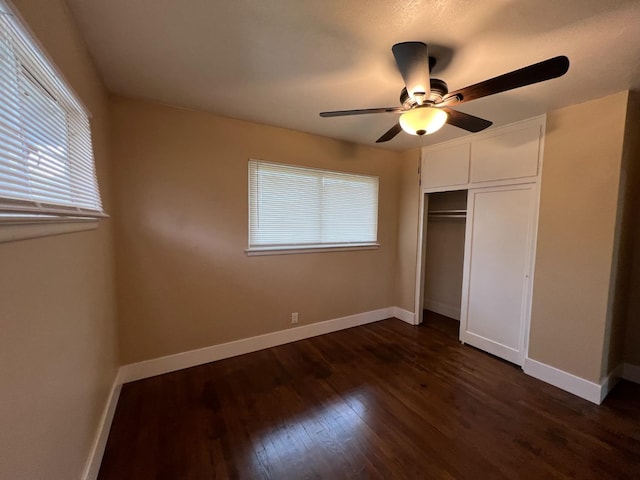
{"x": 498, "y": 258}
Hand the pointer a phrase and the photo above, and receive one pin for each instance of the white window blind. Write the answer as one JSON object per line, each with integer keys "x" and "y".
{"x": 47, "y": 169}
{"x": 298, "y": 207}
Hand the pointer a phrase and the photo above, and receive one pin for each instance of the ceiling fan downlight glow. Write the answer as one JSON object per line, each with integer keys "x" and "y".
{"x": 423, "y": 120}
{"x": 426, "y": 101}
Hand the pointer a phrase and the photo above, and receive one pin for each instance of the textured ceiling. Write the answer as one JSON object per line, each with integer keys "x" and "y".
{"x": 281, "y": 62}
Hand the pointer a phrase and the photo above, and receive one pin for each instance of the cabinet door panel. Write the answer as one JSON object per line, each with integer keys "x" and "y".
{"x": 497, "y": 262}
{"x": 448, "y": 166}
{"x": 509, "y": 155}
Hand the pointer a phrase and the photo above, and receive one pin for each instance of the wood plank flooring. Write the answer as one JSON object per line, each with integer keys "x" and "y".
{"x": 381, "y": 401}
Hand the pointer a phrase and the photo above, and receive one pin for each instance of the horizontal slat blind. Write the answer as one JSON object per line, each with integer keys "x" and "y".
{"x": 46, "y": 156}
{"x": 302, "y": 207}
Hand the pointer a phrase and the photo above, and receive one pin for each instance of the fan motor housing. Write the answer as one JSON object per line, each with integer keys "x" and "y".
{"x": 438, "y": 90}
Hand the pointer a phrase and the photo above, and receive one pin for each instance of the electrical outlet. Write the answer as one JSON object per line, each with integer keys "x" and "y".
{"x": 294, "y": 317}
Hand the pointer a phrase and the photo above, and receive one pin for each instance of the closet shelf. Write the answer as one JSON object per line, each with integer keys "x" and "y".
{"x": 448, "y": 213}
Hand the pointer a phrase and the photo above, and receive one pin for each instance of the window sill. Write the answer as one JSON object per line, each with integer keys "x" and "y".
{"x": 256, "y": 251}
{"x": 11, "y": 232}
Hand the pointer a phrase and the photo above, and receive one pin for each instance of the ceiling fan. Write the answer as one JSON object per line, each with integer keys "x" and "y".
{"x": 426, "y": 102}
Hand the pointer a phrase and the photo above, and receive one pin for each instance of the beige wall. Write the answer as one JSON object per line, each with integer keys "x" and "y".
{"x": 630, "y": 340}
{"x": 577, "y": 235}
{"x": 57, "y": 309}
{"x": 408, "y": 212}
{"x": 444, "y": 254}
{"x": 621, "y": 288}
{"x": 184, "y": 281}
{"x": 444, "y": 262}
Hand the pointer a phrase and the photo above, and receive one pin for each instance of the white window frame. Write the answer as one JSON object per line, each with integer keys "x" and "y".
{"x": 46, "y": 156}
{"x": 271, "y": 248}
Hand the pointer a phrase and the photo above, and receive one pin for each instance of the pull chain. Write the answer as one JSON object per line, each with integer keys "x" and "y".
{"x": 420, "y": 160}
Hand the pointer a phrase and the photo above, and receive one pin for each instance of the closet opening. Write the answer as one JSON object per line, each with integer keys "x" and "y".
{"x": 443, "y": 247}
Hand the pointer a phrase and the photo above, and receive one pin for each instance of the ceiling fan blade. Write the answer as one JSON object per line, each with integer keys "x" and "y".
{"x": 466, "y": 121}
{"x": 538, "y": 72}
{"x": 413, "y": 62}
{"x": 389, "y": 134}
{"x": 364, "y": 111}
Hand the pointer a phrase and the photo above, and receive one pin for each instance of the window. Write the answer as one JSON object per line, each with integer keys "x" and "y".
{"x": 47, "y": 172}
{"x": 306, "y": 208}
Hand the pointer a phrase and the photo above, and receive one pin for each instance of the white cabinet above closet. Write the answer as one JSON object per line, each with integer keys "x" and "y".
{"x": 446, "y": 166}
{"x": 510, "y": 154}
{"x": 502, "y": 190}
{"x": 507, "y": 155}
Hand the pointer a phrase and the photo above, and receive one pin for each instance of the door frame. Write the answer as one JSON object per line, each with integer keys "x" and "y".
{"x": 423, "y": 211}
{"x": 421, "y": 256}
{"x": 422, "y": 248}
{"x": 421, "y": 260}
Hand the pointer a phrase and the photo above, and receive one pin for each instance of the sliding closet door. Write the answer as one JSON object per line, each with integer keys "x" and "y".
{"x": 498, "y": 258}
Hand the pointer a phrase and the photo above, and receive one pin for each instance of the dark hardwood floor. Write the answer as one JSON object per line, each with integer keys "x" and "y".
{"x": 385, "y": 400}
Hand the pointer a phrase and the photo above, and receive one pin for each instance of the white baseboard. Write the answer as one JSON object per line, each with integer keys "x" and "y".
{"x": 92, "y": 468}
{"x": 442, "y": 308}
{"x": 631, "y": 372}
{"x": 171, "y": 363}
{"x": 566, "y": 381}
{"x": 178, "y": 361}
{"x": 404, "y": 315}
{"x": 136, "y": 371}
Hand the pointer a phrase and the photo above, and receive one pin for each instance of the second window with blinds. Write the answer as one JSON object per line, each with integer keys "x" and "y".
{"x": 294, "y": 209}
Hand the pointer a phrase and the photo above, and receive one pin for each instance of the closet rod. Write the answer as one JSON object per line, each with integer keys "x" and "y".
{"x": 446, "y": 211}
{"x": 447, "y": 215}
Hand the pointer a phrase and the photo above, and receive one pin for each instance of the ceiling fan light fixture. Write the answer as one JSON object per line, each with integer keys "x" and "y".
{"x": 423, "y": 120}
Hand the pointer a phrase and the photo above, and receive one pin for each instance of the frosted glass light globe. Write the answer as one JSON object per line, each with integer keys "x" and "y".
{"x": 423, "y": 120}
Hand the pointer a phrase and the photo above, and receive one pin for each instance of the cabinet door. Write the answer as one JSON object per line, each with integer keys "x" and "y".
{"x": 512, "y": 154}
{"x": 498, "y": 258}
{"x": 446, "y": 167}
